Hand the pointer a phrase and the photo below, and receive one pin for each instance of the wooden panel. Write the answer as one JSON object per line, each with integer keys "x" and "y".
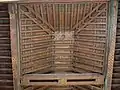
{"x": 91, "y": 31}
{"x": 35, "y": 40}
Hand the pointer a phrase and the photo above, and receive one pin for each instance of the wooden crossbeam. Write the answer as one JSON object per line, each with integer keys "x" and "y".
{"x": 38, "y": 15}
{"x": 87, "y": 16}
{"x": 90, "y": 20}
{"x": 62, "y": 79}
{"x": 35, "y": 21}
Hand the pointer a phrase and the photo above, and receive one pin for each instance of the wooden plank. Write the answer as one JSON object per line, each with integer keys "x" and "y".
{"x": 92, "y": 63}
{"x": 54, "y": 15}
{"x": 78, "y": 11}
{"x": 72, "y": 9}
{"x": 36, "y": 63}
{"x": 87, "y": 57}
{"x": 65, "y": 17}
{"x": 89, "y": 47}
{"x": 87, "y": 51}
{"x": 41, "y": 11}
{"x": 88, "y": 67}
{"x": 48, "y": 14}
{"x": 40, "y": 68}
{"x": 42, "y": 57}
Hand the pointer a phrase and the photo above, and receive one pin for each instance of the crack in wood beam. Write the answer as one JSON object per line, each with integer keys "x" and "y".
{"x": 94, "y": 87}
{"x": 41, "y": 88}
{"x": 90, "y": 21}
{"x": 44, "y": 21}
{"x": 87, "y": 16}
{"x": 35, "y": 21}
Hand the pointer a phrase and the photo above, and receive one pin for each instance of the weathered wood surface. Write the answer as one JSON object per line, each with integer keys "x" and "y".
{"x": 63, "y": 38}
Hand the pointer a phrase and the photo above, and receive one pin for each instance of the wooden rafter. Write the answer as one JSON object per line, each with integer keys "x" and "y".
{"x": 87, "y": 16}
{"x": 72, "y": 7}
{"x": 35, "y": 21}
{"x": 38, "y": 16}
{"x": 90, "y": 20}
{"x": 54, "y": 18}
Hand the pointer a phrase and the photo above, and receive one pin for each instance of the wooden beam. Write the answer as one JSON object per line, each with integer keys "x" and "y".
{"x": 54, "y": 15}
{"x": 14, "y": 33}
{"x": 71, "y": 20}
{"x": 62, "y": 79}
{"x": 113, "y": 10}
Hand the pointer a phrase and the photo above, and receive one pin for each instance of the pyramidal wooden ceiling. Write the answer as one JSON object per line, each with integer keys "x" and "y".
{"x": 62, "y": 16}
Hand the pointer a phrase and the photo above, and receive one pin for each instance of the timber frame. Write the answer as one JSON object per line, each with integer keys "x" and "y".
{"x": 61, "y": 79}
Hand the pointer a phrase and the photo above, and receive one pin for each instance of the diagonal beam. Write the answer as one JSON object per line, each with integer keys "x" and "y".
{"x": 35, "y": 21}
{"x": 90, "y": 21}
{"x": 38, "y": 15}
{"x": 87, "y": 16}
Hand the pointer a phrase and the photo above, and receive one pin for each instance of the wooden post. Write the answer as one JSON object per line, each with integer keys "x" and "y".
{"x": 112, "y": 24}
{"x": 14, "y": 33}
